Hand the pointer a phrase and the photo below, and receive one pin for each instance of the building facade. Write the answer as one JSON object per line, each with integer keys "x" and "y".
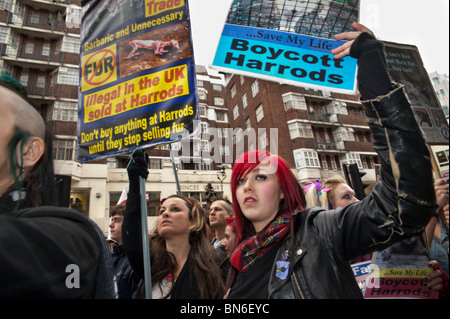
{"x": 440, "y": 84}
{"x": 316, "y": 131}
{"x": 39, "y": 49}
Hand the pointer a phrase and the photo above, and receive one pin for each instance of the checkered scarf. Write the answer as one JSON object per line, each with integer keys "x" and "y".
{"x": 250, "y": 250}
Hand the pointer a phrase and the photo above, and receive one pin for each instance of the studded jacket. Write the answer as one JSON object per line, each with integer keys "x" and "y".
{"x": 398, "y": 207}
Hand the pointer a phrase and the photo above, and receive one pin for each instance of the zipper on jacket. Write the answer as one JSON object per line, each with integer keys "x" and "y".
{"x": 297, "y": 284}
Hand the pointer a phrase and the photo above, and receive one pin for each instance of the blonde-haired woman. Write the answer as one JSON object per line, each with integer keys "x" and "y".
{"x": 183, "y": 263}
{"x": 333, "y": 193}
{"x": 339, "y": 193}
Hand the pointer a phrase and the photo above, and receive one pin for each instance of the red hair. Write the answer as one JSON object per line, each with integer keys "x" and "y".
{"x": 293, "y": 193}
{"x": 231, "y": 221}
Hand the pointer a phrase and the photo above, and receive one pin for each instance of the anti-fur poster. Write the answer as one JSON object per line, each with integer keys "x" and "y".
{"x": 137, "y": 76}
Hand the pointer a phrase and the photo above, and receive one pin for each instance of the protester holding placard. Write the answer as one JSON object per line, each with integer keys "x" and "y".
{"x": 184, "y": 265}
{"x": 306, "y": 252}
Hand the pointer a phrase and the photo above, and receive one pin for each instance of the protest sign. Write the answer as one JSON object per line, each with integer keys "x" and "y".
{"x": 398, "y": 272}
{"x": 137, "y": 76}
{"x": 361, "y": 271}
{"x": 289, "y": 42}
{"x": 405, "y": 66}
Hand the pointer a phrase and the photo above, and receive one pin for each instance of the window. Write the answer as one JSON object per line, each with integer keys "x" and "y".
{"x": 293, "y": 130}
{"x": 222, "y": 132}
{"x": 7, "y": 5}
{"x": 79, "y": 200}
{"x": 372, "y": 163}
{"x": 40, "y": 80}
{"x": 204, "y": 128}
{"x": 217, "y": 87}
{"x": 29, "y": 47}
{"x": 219, "y": 101}
{"x": 236, "y": 112}
{"x": 205, "y": 146}
{"x": 176, "y": 146}
{"x": 255, "y": 88}
{"x": 337, "y": 107}
{"x": 294, "y": 101}
{"x": 111, "y": 162}
{"x": 248, "y": 124}
{"x": 262, "y": 140}
{"x": 233, "y": 90}
{"x": 71, "y": 44}
{"x": 35, "y": 17}
{"x": 24, "y": 77}
{"x": 364, "y": 163}
{"x": 224, "y": 150}
{"x": 297, "y": 129}
{"x": 64, "y": 111}
{"x": 259, "y": 113}
{"x": 46, "y": 49}
{"x": 352, "y": 158}
{"x": 333, "y": 163}
{"x": 3, "y": 34}
{"x": 244, "y": 101}
{"x": 205, "y": 165}
{"x": 154, "y": 163}
{"x": 202, "y": 95}
{"x": 202, "y": 110}
{"x": 63, "y": 149}
{"x": 221, "y": 116}
{"x": 344, "y": 134}
{"x": 199, "y": 83}
{"x": 306, "y": 158}
{"x": 324, "y": 162}
{"x": 68, "y": 76}
{"x": 153, "y": 203}
{"x": 73, "y": 16}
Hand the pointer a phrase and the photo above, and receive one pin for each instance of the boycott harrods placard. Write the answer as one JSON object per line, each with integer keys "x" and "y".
{"x": 289, "y": 41}
{"x": 284, "y": 57}
{"x": 398, "y": 272}
{"x": 137, "y": 76}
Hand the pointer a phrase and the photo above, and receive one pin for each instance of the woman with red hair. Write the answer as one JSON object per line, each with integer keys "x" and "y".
{"x": 284, "y": 251}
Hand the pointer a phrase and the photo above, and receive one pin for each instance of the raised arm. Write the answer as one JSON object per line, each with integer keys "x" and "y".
{"x": 131, "y": 227}
{"x": 401, "y": 205}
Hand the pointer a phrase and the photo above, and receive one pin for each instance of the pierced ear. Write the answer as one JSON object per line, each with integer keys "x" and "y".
{"x": 32, "y": 151}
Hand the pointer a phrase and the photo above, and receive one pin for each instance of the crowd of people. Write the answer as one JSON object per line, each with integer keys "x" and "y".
{"x": 275, "y": 239}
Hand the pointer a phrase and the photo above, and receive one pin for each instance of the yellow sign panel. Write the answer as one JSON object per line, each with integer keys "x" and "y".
{"x": 141, "y": 91}
{"x": 154, "y": 7}
{"x": 99, "y": 68}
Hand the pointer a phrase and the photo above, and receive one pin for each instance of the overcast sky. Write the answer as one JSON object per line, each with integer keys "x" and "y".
{"x": 424, "y": 24}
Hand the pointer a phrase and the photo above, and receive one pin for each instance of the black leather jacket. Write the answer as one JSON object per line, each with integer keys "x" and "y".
{"x": 399, "y": 207}
{"x": 37, "y": 245}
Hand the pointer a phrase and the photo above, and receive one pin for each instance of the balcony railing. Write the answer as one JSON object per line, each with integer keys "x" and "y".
{"x": 33, "y": 21}
{"x": 35, "y": 88}
{"x": 323, "y": 144}
{"x": 51, "y": 57}
{"x": 319, "y": 117}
